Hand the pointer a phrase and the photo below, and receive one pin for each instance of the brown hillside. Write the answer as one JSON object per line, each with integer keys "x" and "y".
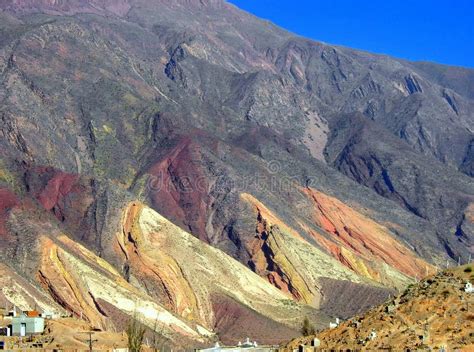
{"x": 435, "y": 312}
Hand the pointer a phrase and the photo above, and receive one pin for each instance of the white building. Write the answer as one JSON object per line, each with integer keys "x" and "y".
{"x": 334, "y": 325}
{"x": 50, "y": 315}
{"x": 24, "y": 325}
{"x": 246, "y": 346}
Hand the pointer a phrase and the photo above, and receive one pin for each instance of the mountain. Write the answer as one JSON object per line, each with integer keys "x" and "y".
{"x": 231, "y": 176}
{"x": 434, "y": 313}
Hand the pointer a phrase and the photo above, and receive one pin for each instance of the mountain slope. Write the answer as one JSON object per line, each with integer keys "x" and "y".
{"x": 186, "y": 79}
{"x": 182, "y": 301}
{"x": 281, "y": 152}
{"x": 434, "y": 313}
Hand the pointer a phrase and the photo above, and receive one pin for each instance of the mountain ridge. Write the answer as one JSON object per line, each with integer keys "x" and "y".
{"x": 307, "y": 164}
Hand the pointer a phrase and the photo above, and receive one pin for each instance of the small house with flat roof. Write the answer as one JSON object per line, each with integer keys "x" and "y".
{"x": 246, "y": 346}
{"x": 24, "y": 325}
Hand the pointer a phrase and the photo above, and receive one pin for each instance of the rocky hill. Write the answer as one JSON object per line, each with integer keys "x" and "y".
{"x": 436, "y": 312}
{"x": 220, "y": 170}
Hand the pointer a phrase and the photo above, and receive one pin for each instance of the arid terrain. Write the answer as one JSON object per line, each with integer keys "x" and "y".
{"x": 433, "y": 313}
{"x": 217, "y": 176}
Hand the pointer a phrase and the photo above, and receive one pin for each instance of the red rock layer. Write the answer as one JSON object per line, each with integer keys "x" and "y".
{"x": 362, "y": 236}
{"x": 68, "y": 196}
{"x": 56, "y": 189}
{"x": 178, "y": 188}
{"x": 234, "y": 321}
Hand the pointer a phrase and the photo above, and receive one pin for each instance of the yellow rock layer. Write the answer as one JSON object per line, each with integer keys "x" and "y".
{"x": 161, "y": 267}
{"x": 78, "y": 280}
{"x": 192, "y": 272}
{"x": 363, "y": 237}
{"x": 301, "y": 263}
{"x": 60, "y": 281}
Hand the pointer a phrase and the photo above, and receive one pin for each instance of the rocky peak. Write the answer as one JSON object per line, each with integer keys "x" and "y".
{"x": 120, "y": 7}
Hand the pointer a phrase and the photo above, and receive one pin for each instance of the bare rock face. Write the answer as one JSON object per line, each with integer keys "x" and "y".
{"x": 302, "y": 170}
{"x": 8, "y": 201}
{"x": 119, "y": 8}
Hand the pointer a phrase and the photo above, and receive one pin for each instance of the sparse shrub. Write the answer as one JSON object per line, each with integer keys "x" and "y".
{"x": 468, "y": 269}
{"x": 135, "y": 333}
{"x": 307, "y": 329}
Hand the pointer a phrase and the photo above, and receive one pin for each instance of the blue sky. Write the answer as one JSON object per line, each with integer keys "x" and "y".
{"x": 439, "y": 31}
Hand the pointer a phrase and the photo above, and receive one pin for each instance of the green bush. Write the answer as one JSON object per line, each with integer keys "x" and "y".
{"x": 135, "y": 333}
{"x": 307, "y": 329}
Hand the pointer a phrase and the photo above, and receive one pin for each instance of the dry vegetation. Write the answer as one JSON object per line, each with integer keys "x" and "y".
{"x": 434, "y": 313}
